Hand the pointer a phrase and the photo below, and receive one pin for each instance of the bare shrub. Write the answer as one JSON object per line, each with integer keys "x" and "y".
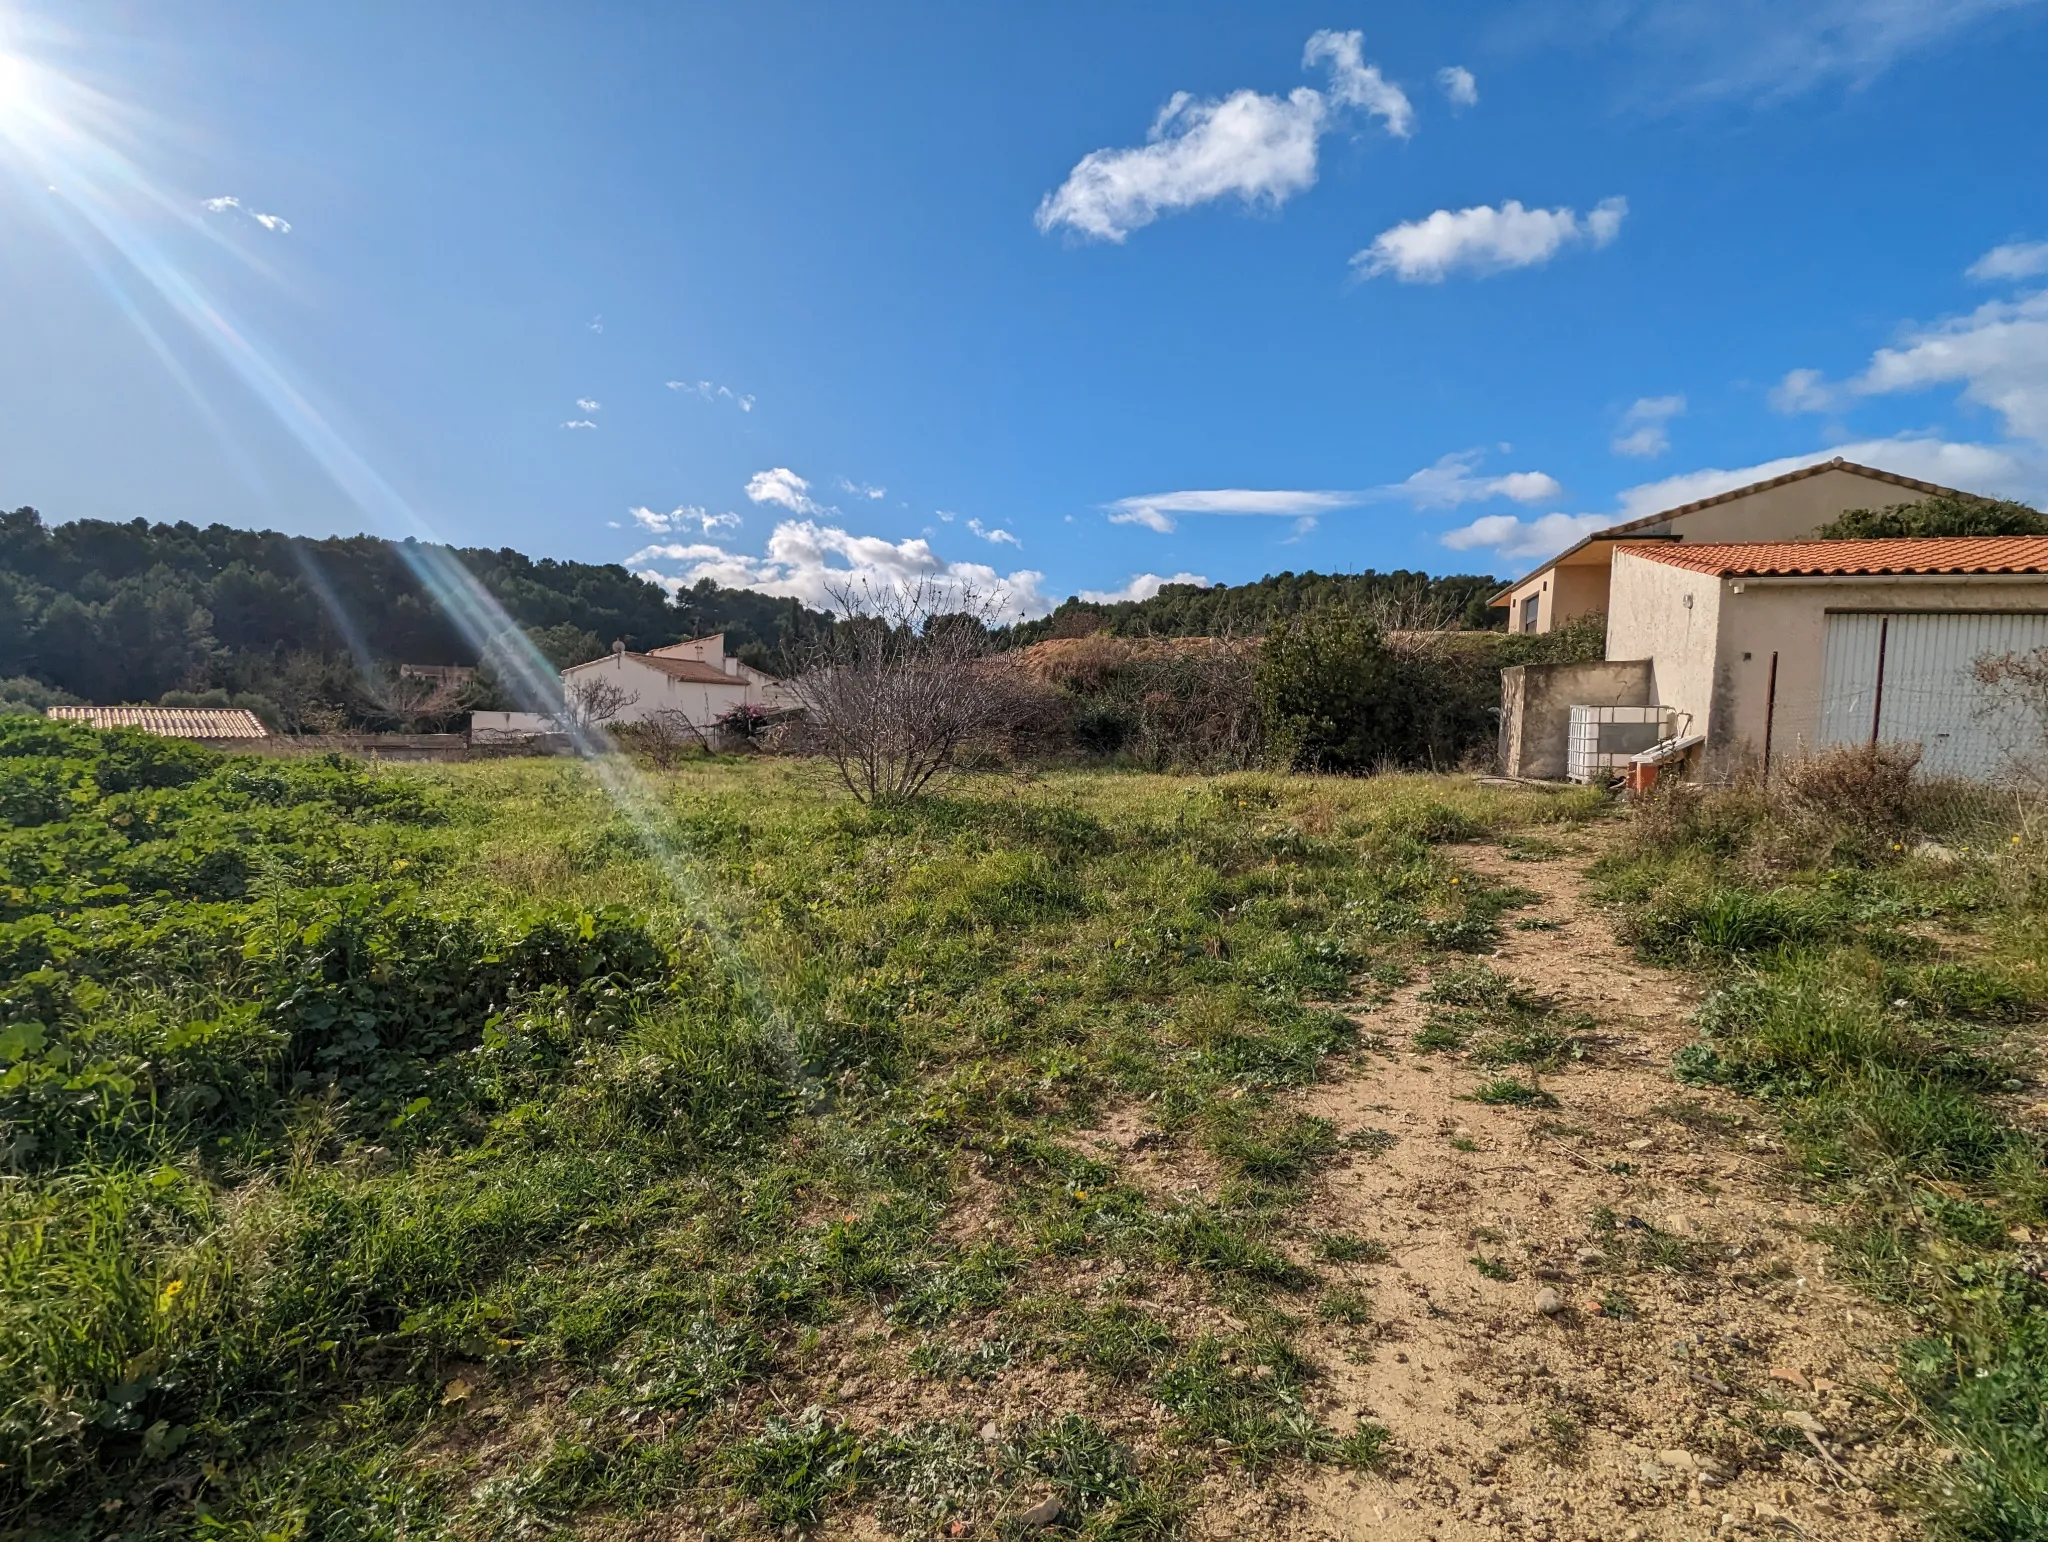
{"x": 664, "y": 738}
{"x": 905, "y": 688}
{"x": 1866, "y": 786}
{"x": 1183, "y": 703}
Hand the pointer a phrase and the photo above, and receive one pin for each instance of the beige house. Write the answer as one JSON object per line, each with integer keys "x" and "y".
{"x": 1780, "y": 648}
{"x": 1787, "y": 508}
{"x": 1757, "y": 652}
{"x": 697, "y": 679}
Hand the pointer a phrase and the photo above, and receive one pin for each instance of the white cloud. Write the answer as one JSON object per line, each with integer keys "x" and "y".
{"x": 1803, "y": 390}
{"x": 1452, "y": 481}
{"x": 1645, "y": 426}
{"x": 1457, "y": 84}
{"x": 862, "y": 489}
{"x": 1687, "y": 51}
{"x": 1525, "y": 539}
{"x": 809, "y": 561}
{"x": 711, "y": 391}
{"x": 1483, "y": 239}
{"x": 276, "y": 224}
{"x": 596, "y": 323}
{"x": 2016, "y": 259}
{"x": 579, "y": 423}
{"x": 1155, "y": 510}
{"x": 995, "y": 537}
{"x": 783, "y": 486}
{"x": 588, "y": 405}
{"x": 682, "y": 518}
{"x": 1998, "y": 354}
{"x": 1141, "y": 587}
{"x": 1258, "y": 148}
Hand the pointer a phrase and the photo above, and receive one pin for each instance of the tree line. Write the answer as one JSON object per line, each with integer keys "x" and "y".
{"x": 310, "y": 632}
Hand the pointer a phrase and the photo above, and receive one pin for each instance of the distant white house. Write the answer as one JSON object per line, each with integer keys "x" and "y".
{"x": 696, "y": 680}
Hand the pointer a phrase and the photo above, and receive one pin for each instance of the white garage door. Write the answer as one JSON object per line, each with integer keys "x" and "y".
{"x": 1910, "y": 678}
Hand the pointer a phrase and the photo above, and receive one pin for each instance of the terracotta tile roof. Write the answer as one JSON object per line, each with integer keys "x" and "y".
{"x": 1627, "y": 527}
{"x": 1847, "y": 559}
{"x": 170, "y": 722}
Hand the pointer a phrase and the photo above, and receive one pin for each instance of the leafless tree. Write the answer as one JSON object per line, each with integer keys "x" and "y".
{"x": 904, "y": 687}
{"x": 594, "y": 702}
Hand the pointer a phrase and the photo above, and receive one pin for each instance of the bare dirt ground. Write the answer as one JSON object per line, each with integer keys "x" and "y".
{"x": 1593, "y": 1395}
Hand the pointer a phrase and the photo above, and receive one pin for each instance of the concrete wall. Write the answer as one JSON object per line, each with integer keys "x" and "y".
{"x": 1671, "y": 617}
{"x": 1536, "y": 702}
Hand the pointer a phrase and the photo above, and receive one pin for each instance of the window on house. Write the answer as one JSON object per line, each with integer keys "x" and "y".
{"x": 1529, "y": 608}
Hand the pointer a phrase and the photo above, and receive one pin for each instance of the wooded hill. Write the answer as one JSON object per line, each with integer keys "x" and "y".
{"x": 109, "y": 612}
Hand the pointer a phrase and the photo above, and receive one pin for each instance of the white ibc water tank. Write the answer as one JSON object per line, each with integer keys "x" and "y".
{"x": 1601, "y": 740}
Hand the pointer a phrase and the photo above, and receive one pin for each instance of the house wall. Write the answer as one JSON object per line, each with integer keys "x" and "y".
{"x": 657, "y": 692}
{"x": 1790, "y": 620}
{"x": 1792, "y": 512}
{"x": 1536, "y": 702}
{"x": 1670, "y": 617}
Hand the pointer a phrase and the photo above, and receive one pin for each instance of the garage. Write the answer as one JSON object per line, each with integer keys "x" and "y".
{"x": 1772, "y": 651}
{"x": 1909, "y": 677}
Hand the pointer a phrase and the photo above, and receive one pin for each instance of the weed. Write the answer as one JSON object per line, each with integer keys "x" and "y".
{"x": 1617, "y": 1305}
{"x": 1464, "y": 1143}
{"x": 1491, "y": 1268}
{"x": 1506, "y": 1091}
{"x": 796, "y": 1468}
{"x": 1337, "y": 1248}
{"x": 1121, "y": 1342}
{"x": 1342, "y": 1304}
{"x": 1246, "y": 1399}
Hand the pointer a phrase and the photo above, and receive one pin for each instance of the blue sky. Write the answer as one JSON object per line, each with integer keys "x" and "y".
{"x": 1069, "y": 297}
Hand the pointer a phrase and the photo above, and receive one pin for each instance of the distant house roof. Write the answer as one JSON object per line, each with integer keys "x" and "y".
{"x": 693, "y": 671}
{"x": 1848, "y": 559}
{"x": 170, "y": 722}
{"x": 1621, "y": 532}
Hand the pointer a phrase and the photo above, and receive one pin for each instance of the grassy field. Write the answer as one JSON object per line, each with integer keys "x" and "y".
{"x": 440, "y": 1151}
{"x": 1880, "y": 955}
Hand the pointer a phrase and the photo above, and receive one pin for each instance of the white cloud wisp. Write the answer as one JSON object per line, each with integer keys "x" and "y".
{"x": 1646, "y": 426}
{"x": 1459, "y": 87}
{"x": 780, "y": 485}
{"x": 682, "y": 518}
{"x": 711, "y": 391}
{"x": 1260, "y": 149}
{"x": 1155, "y": 511}
{"x": 276, "y": 224}
{"x": 1482, "y": 240}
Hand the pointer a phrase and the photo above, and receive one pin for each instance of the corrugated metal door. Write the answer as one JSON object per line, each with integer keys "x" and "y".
{"x": 1848, "y": 678}
{"x": 1912, "y": 677}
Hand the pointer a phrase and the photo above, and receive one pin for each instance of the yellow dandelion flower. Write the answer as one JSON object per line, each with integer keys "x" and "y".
{"x": 169, "y": 1295}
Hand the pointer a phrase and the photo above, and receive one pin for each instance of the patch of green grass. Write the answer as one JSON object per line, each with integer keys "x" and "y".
{"x": 796, "y": 1469}
{"x": 1121, "y": 1341}
{"x": 1491, "y": 1268}
{"x": 1245, "y": 1400}
{"x": 1342, "y": 1304}
{"x": 1506, "y": 1092}
{"x": 1337, "y": 1248}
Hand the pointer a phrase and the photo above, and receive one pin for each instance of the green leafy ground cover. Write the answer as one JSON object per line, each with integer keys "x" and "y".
{"x": 1883, "y": 995}
{"x": 434, "y": 1151}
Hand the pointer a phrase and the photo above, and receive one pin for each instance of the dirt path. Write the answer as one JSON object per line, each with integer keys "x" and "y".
{"x": 1659, "y": 1402}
